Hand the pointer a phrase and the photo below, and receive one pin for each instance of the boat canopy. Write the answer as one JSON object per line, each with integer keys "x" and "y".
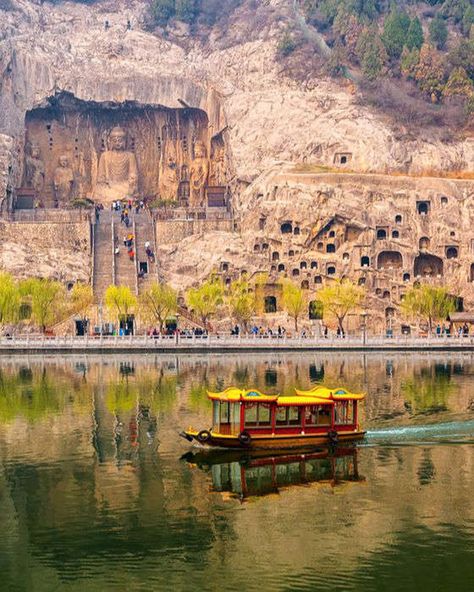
{"x": 337, "y": 394}
{"x": 236, "y": 395}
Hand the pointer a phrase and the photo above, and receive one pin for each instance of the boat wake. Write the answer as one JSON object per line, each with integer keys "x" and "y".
{"x": 441, "y": 433}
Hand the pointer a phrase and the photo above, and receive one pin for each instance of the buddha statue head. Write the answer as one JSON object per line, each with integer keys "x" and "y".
{"x": 199, "y": 150}
{"x": 34, "y": 151}
{"x": 117, "y": 139}
{"x": 63, "y": 161}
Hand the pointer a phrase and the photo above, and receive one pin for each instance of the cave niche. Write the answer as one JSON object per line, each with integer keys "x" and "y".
{"x": 162, "y": 141}
{"x": 428, "y": 265}
{"x": 389, "y": 259}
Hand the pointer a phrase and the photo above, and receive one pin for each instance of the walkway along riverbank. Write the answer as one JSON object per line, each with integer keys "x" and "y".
{"x": 219, "y": 343}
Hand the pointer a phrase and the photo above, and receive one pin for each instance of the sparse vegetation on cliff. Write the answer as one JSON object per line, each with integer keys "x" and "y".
{"x": 190, "y": 11}
{"x": 417, "y": 41}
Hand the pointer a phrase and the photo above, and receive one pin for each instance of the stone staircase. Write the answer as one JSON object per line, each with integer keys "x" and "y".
{"x": 125, "y": 269}
{"x": 145, "y": 232}
{"x": 103, "y": 255}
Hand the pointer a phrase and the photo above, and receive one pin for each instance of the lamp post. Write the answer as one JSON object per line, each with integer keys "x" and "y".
{"x": 363, "y": 317}
{"x": 177, "y": 328}
{"x": 100, "y": 319}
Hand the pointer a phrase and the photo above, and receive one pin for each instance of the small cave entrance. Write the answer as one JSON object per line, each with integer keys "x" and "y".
{"x": 424, "y": 243}
{"x": 275, "y": 256}
{"x": 270, "y": 304}
{"x": 330, "y": 248}
{"x": 471, "y": 273}
{"x": 428, "y": 266}
{"x": 381, "y": 233}
{"x": 342, "y": 158}
{"x": 314, "y": 265}
{"x": 423, "y": 207}
{"x": 365, "y": 261}
{"x": 389, "y": 260}
{"x": 305, "y": 285}
{"x": 451, "y": 253}
{"x": 286, "y": 228}
{"x": 281, "y": 267}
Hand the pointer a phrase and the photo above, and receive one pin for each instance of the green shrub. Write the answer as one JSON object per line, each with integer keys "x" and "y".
{"x": 438, "y": 32}
{"x": 395, "y": 32}
{"x": 287, "y": 44}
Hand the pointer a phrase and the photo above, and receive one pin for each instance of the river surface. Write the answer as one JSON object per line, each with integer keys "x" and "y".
{"x": 95, "y": 494}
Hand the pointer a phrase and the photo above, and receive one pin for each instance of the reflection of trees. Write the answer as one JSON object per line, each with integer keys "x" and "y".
{"x": 427, "y": 391}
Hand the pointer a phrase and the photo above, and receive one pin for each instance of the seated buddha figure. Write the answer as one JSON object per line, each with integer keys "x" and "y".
{"x": 117, "y": 175}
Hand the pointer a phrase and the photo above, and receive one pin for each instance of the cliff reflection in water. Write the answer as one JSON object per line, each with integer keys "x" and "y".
{"x": 94, "y": 496}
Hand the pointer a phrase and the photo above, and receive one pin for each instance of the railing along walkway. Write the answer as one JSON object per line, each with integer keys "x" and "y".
{"x": 221, "y": 342}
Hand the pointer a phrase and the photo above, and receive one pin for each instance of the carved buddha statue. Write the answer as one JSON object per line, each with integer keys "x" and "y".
{"x": 117, "y": 174}
{"x": 34, "y": 169}
{"x": 63, "y": 181}
{"x": 198, "y": 174}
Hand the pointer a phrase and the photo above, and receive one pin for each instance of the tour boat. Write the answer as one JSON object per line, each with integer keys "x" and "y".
{"x": 244, "y": 474}
{"x": 252, "y": 420}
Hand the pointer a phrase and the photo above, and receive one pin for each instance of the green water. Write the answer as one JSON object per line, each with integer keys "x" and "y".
{"x": 95, "y": 494}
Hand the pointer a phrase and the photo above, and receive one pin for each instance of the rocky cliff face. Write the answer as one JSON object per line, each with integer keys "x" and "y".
{"x": 270, "y": 123}
{"x": 47, "y": 49}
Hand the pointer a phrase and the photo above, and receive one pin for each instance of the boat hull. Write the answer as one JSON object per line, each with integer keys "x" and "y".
{"x": 274, "y": 441}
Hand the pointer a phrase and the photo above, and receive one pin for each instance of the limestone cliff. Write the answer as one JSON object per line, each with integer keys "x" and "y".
{"x": 308, "y": 222}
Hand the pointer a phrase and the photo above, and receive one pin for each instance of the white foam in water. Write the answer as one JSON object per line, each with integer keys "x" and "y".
{"x": 456, "y": 430}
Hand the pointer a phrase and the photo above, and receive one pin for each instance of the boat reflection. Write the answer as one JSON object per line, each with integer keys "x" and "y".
{"x": 243, "y": 475}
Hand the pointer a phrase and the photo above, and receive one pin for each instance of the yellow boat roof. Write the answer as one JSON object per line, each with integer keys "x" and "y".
{"x": 337, "y": 394}
{"x": 235, "y": 395}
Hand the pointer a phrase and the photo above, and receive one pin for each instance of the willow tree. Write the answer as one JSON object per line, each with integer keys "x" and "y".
{"x": 339, "y": 298}
{"x": 47, "y": 299}
{"x": 157, "y": 303}
{"x": 429, "y": 303}
{"x": 205, "y": 300}
{"x": 120, "y": 301}
{"x": 9, "y": 299}
{"x": 81, "y": 298}
{"x": 293, "y": 300}
{"x": 241, "y": 301}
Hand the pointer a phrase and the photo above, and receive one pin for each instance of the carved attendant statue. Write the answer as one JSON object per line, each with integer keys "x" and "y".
{"x": 218, "y": 172}
{"x": 34, "y": 169}
{"x": 63, "y": 181}
{"x": 168, "y": 184}
{"x": 198, "y": 175}
{"x": 117, "y": 174}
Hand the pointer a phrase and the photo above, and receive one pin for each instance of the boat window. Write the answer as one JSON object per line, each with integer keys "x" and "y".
{"x": 257, "y": 414}
{"x": 215, "y": 413}
{"x": 318, "y": 415}
{"x": 225, "y": 416}
{"x": 344, "y": 412}
{"x": 288, "y": 416}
